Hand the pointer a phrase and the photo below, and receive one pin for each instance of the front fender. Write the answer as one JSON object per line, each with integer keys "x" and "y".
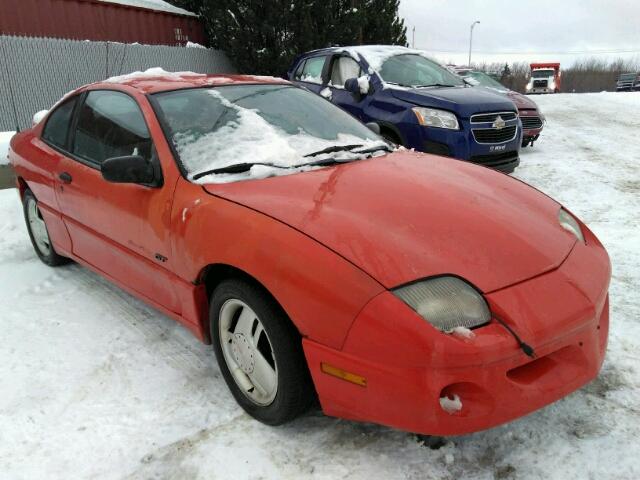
{"x": 320, "y": 291}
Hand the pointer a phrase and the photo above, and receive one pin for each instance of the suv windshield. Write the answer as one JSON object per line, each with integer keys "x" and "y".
{"x": 542, "y": 73}
{"x": 263, "y": 126}
{"x": 412, "y": 70}
{"x": 485, "y": 80}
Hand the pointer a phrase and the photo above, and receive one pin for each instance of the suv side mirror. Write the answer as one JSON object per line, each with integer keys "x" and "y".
{"x": 129, "y": 169}
{"x": 351, "y": 85}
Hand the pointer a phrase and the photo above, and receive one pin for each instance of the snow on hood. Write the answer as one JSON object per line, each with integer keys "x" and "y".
{"x": 266, "y": 142}
{"x": 408, "y": 216}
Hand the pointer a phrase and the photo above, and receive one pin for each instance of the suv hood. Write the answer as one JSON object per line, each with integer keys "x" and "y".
{"x": 465, "y": 101}
{"x": 408, "y": 216}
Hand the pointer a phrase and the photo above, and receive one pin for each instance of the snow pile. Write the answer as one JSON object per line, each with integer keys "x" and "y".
{"x": 194, "y": 45}
{"x": 39, "y": 115}
{"x": 451, "y": 405}
{"x": 326, "y": 93}
{"x": 152, "y": 73}
{"x": 265, "y": 142}
{"x": 158, "y": 5}
{"x": 5, "y": 138}
{"x": 364, "y": 85}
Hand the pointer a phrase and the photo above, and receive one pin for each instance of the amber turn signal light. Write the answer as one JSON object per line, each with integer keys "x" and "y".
{"x": 342, "y": 374}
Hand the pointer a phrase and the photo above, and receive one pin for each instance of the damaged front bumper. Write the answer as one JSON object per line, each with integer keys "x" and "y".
{"x": 406, "y": 367}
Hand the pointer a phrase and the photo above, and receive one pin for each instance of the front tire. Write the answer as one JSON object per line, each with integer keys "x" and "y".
{"x": 38, "y": 232}
{"x": 259, "y": 353}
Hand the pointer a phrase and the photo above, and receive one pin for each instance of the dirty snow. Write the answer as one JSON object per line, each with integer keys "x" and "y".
{"x": 97, "y": 385}
{"x": 5, "y": 138}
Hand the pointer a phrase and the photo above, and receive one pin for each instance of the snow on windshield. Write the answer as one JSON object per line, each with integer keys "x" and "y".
{"x": 250, "y": 138}
{"x": 375, "y": 55}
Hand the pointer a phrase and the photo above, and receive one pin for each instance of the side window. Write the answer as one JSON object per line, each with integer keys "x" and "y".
{"x": 56, "y": 131}
{"x": 298, "y": 74}
{"x": 312, "y": 70}
{"x": 343, "y": 69}
{"x": 110, "y": 124}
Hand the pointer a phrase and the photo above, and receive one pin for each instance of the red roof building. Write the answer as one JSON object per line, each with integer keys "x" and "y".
{"x": 151, "y": 22}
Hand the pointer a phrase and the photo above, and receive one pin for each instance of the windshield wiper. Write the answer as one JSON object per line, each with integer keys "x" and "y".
{"x": 435, "y": 85}
{"x": 246, "y": 166}
{"x": 333, "y": 149}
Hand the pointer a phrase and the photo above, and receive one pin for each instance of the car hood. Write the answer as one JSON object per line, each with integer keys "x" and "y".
{"x": 522, "y": 101}
{"x": 407, "y": 216}
{"x": 465, "y": 101}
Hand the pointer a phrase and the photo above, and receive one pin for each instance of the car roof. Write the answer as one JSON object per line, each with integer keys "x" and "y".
{"x": 157, "y": 80}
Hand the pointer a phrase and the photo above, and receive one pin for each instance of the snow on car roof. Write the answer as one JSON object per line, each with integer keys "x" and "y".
{"x": 156, "y": 79}
{"x": 157, "y": 5}
{"x": 375, "y": 55}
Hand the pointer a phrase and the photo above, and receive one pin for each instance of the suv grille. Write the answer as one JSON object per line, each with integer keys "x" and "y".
{"x": 531, "y": 122}
{"x": 491, "y": 117}
{"x": 494, "y": 135}
{"x": 540, "y": 83}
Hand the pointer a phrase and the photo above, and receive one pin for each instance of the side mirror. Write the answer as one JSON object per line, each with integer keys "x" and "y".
{"x": 374, "y": 127}
{"x": 129, "y": 169}
{"x": 351, "y": 85}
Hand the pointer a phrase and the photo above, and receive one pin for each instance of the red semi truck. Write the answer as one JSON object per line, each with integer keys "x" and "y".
{"x": 544, "y": 78}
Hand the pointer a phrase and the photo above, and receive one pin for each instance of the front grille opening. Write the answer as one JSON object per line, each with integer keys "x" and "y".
{"x": 492, "y": 117}
{"x": 531, "y": 122}
{"x": 494, "y": 135}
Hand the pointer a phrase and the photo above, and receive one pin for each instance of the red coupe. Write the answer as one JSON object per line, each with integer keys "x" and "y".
{"x": 400, "y": 288}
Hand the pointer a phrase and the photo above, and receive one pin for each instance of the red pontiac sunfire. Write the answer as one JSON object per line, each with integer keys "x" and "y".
{"x": 405, "y": 289}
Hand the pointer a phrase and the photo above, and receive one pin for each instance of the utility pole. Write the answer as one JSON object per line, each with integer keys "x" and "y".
{"x": 471, "y": 39}
{"x": 413, "y": 41}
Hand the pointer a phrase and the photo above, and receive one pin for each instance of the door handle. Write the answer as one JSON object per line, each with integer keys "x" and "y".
{"x": 65, "y": 177}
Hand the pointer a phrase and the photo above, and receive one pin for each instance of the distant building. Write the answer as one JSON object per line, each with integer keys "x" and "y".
{"x": 151, "y": 22}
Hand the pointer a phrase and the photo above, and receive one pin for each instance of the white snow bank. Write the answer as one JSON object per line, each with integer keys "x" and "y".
{"x": 266, "y": 142}
{"x": 195, "y": 45}
{"x": 5, "y": 138}
{"x": 157, "y": 5}
{"x": 451, "y": 405}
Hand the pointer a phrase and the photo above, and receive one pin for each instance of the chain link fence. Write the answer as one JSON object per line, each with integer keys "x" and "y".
{"x": 36, "y": 72}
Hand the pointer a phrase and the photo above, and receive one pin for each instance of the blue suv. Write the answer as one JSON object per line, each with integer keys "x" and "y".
{"x": 415, "y": 101}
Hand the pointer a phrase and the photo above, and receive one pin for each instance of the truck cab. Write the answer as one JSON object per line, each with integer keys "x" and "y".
{"x": 544, "y": 78}
{"x": 415, "y": 101}
{"x": 628, "y": 82}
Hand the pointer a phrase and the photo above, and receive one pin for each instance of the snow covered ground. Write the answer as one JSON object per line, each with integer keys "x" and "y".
{"x": 5, "y": 138}
{"x": 94, "y": 384}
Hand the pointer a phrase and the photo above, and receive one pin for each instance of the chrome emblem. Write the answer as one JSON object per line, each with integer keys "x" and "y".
{"x": 499, "y": 123}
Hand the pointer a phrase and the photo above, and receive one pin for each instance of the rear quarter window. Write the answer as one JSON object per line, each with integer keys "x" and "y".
{"x": 56, "y": 130}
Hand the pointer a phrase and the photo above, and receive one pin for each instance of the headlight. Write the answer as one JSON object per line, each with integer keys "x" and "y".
{"x": 431, "y": 117}
{"x": 446, "y": 303}
{"x": 570, "y": 224}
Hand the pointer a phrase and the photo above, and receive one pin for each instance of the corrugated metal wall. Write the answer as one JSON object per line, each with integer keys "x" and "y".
{"x": 93, "y": 20}
{"x": 36, "y": 72}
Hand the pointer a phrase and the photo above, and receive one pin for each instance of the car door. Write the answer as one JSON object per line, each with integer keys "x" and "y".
{"x": 342, "y": 68}
{"x": 121, "y": 229}
{"x": 310, "y": 73}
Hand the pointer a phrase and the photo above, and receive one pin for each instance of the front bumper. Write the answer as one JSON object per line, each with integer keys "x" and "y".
{"x": 462, "y": 145}
{"x": 541, "y": 90}
{"x": 409, "y": 366}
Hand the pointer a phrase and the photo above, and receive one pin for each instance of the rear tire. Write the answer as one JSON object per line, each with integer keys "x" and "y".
{"x": 38, "y": 232}
{"x": 259, "y": 353}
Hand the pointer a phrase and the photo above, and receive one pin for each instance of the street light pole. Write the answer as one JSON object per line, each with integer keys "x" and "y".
{"x": 471, "y": 39}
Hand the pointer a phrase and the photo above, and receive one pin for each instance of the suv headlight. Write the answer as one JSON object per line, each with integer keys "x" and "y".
{"x": 431, "y": 117}
{"x": 570, "y": 224}
{"x": 446, "y": 303}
